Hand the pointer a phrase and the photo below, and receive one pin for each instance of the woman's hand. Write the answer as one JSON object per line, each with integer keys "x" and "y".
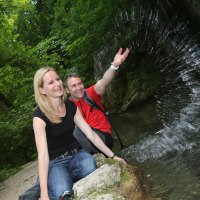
{"x": 119, "y": 159}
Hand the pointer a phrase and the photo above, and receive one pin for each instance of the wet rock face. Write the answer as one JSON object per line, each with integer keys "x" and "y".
{"x": 193, "y": 6}
{"x": 135, "y": 81}
{"x": 155, "y": 32}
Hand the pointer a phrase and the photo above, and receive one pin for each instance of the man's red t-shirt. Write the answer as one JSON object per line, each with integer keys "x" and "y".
{"x": 96, "y": 119}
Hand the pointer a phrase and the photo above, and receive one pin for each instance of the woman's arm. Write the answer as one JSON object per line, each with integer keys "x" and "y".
{"x": 43, "y": 156}
{"x": 93, "y": 137}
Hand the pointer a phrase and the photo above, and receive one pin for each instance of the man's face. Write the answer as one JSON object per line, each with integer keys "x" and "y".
{"x": 75, "y": 87}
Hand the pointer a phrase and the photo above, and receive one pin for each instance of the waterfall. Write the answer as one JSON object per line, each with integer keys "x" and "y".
{"x": 161, "y": 32}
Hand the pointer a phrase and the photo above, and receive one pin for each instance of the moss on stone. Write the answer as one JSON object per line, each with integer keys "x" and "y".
{"x": 129, "y": 187}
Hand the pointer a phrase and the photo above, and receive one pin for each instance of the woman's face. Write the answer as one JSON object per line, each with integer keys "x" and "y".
{"x": 52, "y": 85}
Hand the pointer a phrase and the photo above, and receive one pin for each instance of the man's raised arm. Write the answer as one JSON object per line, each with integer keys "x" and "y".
{"x": 102, "y": 84}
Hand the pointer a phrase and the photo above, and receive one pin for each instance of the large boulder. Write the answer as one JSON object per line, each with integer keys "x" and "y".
{"x": 111, "y": 181}
{"x": 134, "y": 82}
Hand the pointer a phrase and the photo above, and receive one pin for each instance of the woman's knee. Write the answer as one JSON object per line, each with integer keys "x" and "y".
{"x": 82, "y": 165}
{"x": 59, "y": 181}
{"x": 88, "y": 164}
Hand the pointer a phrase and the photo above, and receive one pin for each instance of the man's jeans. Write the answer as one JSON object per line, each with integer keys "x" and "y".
{"x": 63, "y": 172}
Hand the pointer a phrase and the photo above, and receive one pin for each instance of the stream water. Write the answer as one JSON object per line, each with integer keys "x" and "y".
{"x": 169, "y": 161}
{"x": 163, "y": 135}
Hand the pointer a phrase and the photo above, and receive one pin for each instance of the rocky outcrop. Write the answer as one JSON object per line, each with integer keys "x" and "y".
{"x": 134, "y": 82}
{"x": 193, "y": 7}
{"x": 138, "y": 86}
{"x": 150, "y": 34}
{"x": 111, "y": 181}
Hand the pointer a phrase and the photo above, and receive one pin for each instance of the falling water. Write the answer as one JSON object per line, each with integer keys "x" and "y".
{"x": 177, "y": 54}
{"x": 163, "y": 34}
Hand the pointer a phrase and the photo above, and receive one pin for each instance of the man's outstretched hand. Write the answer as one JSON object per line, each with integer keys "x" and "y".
{"x": 120, "y": 57}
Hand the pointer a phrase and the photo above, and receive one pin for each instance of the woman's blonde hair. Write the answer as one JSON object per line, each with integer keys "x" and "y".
{"x": 41, "y": 99}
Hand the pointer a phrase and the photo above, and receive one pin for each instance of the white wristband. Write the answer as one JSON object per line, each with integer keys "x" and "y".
{"x": 113, "y": 67}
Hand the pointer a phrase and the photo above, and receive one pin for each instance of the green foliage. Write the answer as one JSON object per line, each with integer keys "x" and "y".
{"x": 7, "y": 76}
{"x": 16, "y": 145}
{"x": 8, "y": 39}
{"x": 85, "y": 26}
{"x": 50, "y": 52}
{"x": 6, "y": 172}
{"x": 32, "y": 26}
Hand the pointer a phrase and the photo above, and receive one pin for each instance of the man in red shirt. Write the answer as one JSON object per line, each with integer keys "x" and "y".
{"x": 93, "y": 116}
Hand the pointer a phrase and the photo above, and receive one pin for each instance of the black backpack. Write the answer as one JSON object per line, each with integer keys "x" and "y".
{"x": 92, "y": 103}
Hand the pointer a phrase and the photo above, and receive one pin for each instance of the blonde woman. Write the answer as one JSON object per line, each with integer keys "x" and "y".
{"x": 61, "y": 161}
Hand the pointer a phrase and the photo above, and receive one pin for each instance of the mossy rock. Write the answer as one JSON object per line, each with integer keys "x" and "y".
{"x": 129, "y": 186}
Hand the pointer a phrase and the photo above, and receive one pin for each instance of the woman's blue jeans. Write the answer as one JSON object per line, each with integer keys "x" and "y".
{"x": 65, "y": 170}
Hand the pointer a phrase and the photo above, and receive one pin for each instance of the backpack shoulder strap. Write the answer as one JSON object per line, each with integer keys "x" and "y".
{"x": 91, "y": 102}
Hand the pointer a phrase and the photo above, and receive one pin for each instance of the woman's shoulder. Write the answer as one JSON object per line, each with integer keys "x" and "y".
{"x": 38, "y": 113}
{"x": 70, "y": 105}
